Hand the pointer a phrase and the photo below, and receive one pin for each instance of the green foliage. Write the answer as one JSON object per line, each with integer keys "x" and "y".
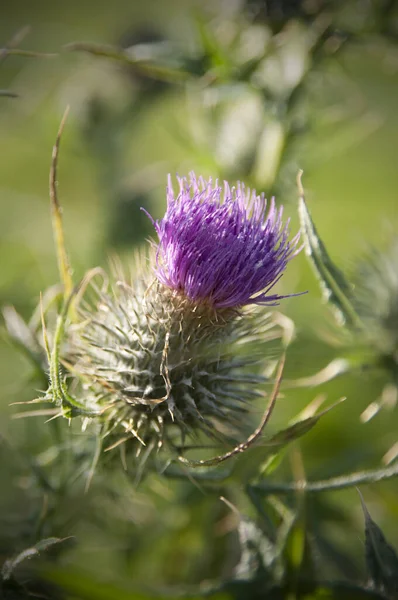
{"x": 242, "y": 94}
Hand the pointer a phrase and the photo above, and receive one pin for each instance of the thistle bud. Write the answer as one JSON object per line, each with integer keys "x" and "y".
{"x": 375, "y": 299}
{"x": 173, "y": 351}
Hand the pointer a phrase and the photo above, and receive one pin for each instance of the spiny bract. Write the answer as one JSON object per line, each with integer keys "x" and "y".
{"x": 159, "y": 367}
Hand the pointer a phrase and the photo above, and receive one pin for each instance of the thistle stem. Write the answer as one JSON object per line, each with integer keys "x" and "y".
{"x": 56, "y": 210}
{"x": 332, "y": 484}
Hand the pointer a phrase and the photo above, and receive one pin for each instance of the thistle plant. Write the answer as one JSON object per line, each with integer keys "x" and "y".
{"x": 178, "y": 349}
{"x": 171, "y": 351}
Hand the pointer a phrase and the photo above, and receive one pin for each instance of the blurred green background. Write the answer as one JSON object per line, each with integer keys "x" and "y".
{"x": 123, "y": 136}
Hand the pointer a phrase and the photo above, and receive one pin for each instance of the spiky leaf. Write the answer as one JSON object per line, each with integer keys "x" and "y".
{"x": 335, "y": 287}
{"x": 297, "y": 429}
{"x": 258, "y": 459}
{"x": 381, "y": 558}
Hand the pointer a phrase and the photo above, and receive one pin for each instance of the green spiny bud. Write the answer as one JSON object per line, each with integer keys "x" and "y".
{"x": 376, "y": 301}
{"x": 157, "y": 367}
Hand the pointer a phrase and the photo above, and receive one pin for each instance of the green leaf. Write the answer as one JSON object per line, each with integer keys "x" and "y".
{"x": 25, "y": 339}
{"x": 297, "y": 429}
{"x": 270, "y": 459}
{"x": 64, "y": 266}
{"x": 262, "y": 548}
{"x": 259, "y": 461}
{"x": 335, "y": 287}
{"x": 381, "y": 558}
{"x": 270, "y": 464}
{"x": 257, "y": 551}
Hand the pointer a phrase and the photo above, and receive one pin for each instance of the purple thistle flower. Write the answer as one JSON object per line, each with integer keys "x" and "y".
{"x": 222, "y": 247}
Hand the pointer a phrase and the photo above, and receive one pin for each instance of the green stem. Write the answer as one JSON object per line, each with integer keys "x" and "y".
{"x": 60, "y": 393}
{"x": 327, "y": 485}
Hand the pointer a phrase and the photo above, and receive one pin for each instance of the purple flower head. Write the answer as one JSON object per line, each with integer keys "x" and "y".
{"x": 222, "y": 246}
